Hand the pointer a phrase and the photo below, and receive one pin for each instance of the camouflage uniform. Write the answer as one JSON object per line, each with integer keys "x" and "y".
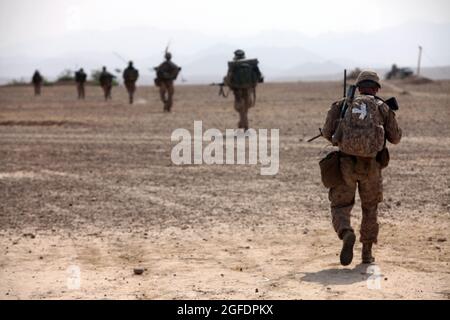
{"x": 80, "y": 79}
{"x": 37, "y": 83}
{"x": 130, "y": 76}
{"x": 364, "y": 173}
{"x": 166, "y": 75}
{"x": 166, "y": 92}
{"x": 106, "y": 82}
{"x": 244, "y": 99}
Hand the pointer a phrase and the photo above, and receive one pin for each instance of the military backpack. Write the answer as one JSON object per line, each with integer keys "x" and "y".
{"x": 362, "y": 133}
{"x": 243, "y": 74}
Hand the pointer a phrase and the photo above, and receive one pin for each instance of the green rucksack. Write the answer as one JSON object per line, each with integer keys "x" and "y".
{"x": 131, "y": 74}
{"x": 244, "y": 74}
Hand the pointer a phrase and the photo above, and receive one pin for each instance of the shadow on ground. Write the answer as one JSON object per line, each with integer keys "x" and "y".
{"x": 336, "y": 276}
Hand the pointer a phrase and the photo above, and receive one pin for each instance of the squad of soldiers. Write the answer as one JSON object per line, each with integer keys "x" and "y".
{"x": 359, "y": 126}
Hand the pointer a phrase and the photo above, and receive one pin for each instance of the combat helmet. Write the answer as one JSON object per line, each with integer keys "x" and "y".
{"x": 168, "y": 55}
{"x": 368, "y": 76}
{"x": 239, "y": 54}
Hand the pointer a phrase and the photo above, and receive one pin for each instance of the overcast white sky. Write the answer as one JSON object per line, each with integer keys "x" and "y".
{"x": 21, "y": 20}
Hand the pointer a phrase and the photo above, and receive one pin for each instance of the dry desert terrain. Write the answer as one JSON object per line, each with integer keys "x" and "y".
{"x": 90, "y": 185}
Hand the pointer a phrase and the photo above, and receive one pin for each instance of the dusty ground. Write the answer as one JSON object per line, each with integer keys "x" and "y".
{"x": 91, "y": 184}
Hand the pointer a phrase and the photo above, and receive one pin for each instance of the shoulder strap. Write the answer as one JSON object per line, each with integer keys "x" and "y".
{"x": 344, "y": 107}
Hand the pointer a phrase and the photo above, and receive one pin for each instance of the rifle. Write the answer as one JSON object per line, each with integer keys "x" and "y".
{"x": 316, "y": 137}
{"x": 350, "y": 93}
{"x": 391, "y": 103}
{"x": 221, "y": 91}
{"x": 348, "y": 99}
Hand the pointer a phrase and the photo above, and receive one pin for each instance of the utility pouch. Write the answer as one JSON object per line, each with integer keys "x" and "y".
{"x": 330, "y": 170}
{"x": 383, "y": 157}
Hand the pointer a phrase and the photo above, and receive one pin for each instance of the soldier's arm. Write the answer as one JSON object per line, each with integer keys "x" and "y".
{"x": 391, "y": 128}
{"x": 332, "y": 120}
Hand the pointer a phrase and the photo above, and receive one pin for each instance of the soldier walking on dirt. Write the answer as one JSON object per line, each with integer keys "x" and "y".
{"x": 106, "y": 82}
{"x": 80, "y": 79}
{"x": 242, "y": 78}
{"x": 130, "y": 76}
{"x": 37, "y": 81}
{"x": 166, "y": 74}
{"x": 360, "y": 131}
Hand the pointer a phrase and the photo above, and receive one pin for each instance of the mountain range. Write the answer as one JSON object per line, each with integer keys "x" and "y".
{"x": 283, "y": 55}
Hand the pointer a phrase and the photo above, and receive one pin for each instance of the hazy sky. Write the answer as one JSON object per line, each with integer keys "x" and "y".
{"x": 21, "y": 20}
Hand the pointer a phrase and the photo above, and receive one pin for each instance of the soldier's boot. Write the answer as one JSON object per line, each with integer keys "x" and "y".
{"x": 366, "y": 255}
{"x": 348, "y": 241}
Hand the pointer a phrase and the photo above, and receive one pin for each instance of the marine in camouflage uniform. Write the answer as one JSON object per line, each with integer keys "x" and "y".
{"x": 106, "y": 82}
{"x": 166, "y": 75}
{"x": 37, "y": 80}
{"x": 130, "y": 76}
{"x": 80, "y": 79}
{"x": 244, "y": 98}
{"x": 362, "y": 173}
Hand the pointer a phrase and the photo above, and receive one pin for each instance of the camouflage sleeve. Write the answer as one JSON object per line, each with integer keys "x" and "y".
{"x": 331, "y": 122}
{"x": 393, "y": 131}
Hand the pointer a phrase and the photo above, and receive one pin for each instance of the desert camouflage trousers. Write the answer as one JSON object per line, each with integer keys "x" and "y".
{"x": 37, "y": 89}
{"x": 131, "y": 88}
{"x": 80, "y": 90}
{"x": 243, "y": 100}
{"x": 364, "y": 173}
{"x": 107, "y": 91}
{"x": 166, "y": 92}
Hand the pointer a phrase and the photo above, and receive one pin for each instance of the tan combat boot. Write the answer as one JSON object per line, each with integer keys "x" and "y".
{"x": 367, "y": 253}
{"x": 348, "y": 240}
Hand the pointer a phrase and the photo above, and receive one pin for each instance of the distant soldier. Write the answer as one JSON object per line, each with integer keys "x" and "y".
{"x": 242, "y": 78}
{"x": 37, "y": 80}
{"x": 166, "y": 74}
{"x": 360, "y": 131}
{"x": 80, "y": 79}
{"x": 130, "y": 76}
{"x": 106, "y": 82}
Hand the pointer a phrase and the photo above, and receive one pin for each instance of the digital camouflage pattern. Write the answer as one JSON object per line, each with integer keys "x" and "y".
{"x": 368, "y": 75}
{"x": 363, "y": 173}
{"x": 362, "y": 132}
